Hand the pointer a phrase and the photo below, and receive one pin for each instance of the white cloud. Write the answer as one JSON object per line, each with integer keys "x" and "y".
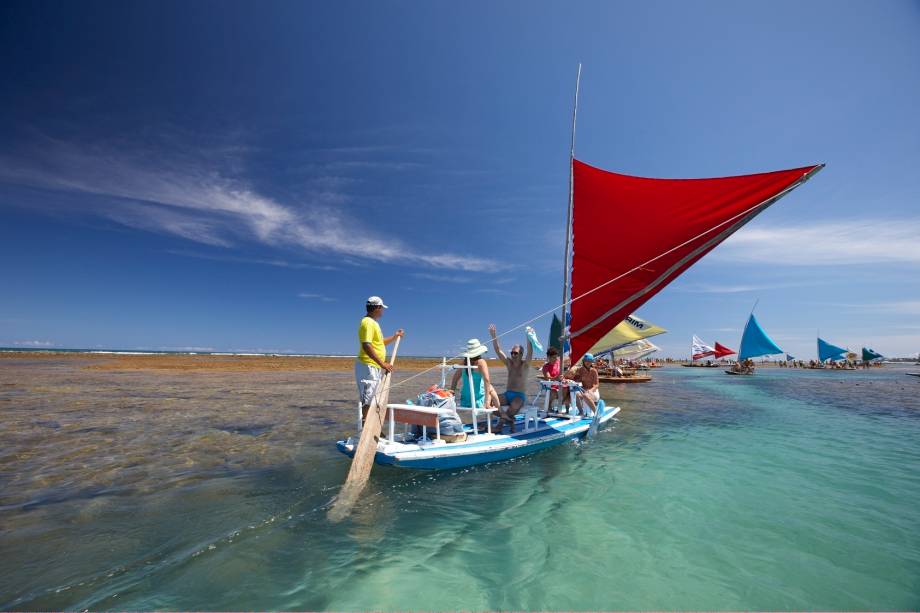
{"x": 441, "y": 278}
{"x": 900, "y": 307}
{"x": 320, "y": 297}
{"x": 244, "y": 260}
{"x": 186, "y": 196}
{"x": 705, "y": 288}
{"x": 854, "y": 241}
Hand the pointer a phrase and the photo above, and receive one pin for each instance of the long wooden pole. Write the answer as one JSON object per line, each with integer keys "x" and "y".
{"x": 365, "y": 450}
{"x": 566, "y": 281}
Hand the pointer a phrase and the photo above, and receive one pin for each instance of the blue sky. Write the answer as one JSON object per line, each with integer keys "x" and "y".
{"x": 241, "y": 176}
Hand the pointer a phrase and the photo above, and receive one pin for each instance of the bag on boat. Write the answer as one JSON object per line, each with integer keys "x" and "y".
{"x": 449, "y": 421}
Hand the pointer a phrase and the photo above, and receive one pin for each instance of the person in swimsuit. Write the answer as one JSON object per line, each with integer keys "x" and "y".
{"x": 517, "y": 364}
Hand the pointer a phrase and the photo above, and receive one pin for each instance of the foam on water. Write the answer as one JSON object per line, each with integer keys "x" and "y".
{"x": 787, "y": 490}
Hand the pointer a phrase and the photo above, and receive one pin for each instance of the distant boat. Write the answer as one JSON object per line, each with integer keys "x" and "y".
{"x": 754, "y": 343}
{"x": 699, "y": 349}
{"x": 635, "y": 350}
{"x": 870, "y": 354}
{"x": 722, "y": 351}
{"x": 831, "y": 353}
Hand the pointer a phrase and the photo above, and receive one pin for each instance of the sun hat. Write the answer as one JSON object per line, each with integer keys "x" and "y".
{"x": 474, "y": 349}
{"x": 376, "y": 301}
{"x": 587, "y": 357}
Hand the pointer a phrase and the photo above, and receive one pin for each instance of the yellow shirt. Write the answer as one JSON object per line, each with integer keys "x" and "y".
{"x": 369, "y": 332}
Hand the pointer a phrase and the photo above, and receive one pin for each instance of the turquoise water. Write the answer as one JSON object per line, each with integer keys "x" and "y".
{"x": 787, "y": 490}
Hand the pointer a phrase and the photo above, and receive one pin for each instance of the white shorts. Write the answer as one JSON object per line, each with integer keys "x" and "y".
{"x": 366, "y": 377}
{"x": 594, "y": 395}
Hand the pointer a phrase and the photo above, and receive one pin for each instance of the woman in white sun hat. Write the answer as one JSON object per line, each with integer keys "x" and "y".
{"x": 483, "y": 392}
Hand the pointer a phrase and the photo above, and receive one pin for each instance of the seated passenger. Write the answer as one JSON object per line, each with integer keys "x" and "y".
{"x": 550, "y": 371}
{"x": 481, "y": 380}
{"x": 587, "y": 376}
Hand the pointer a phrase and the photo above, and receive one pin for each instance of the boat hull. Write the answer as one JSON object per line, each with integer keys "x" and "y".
{"x": 633, "y": 379}
{"x": 482, "y": 449}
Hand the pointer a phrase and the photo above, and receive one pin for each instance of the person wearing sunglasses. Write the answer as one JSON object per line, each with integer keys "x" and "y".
{"x": 517, "y": 364}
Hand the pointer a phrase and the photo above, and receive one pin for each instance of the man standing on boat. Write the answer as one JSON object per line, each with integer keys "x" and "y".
{"x": 517, "y": 365}
{"x": 372, "y": 352}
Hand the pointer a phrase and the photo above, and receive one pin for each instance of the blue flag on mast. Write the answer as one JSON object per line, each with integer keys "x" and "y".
{"x": 755, "y": 342}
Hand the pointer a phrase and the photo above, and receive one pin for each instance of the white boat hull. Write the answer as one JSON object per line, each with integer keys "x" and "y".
{"x": 481, "y": 448}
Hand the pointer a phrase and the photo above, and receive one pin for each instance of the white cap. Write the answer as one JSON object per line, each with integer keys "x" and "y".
{"x": 376, "y": 301}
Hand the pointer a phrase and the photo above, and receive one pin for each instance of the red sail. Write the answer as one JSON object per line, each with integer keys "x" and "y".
{"x": 615, "y": 270}
{"x": 722, "y": 351}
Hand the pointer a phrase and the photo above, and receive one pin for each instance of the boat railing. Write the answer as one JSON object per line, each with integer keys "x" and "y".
{"x": 547, "y": 385}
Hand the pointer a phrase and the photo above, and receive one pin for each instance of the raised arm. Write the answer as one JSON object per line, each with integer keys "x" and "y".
{"x": 495, "y": 345}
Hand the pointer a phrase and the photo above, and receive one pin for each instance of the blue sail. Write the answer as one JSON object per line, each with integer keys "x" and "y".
{"x": 790, "y": 358}
{"x": 826, "y": 351}
{"x": 755, "y": 342}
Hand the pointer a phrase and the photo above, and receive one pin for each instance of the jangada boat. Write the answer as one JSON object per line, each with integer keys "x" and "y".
{"x": 754, "y": 343}
{"x": 600, "y": 290}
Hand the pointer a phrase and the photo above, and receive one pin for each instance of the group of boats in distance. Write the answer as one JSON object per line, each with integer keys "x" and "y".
{"x": 755, "y": 343}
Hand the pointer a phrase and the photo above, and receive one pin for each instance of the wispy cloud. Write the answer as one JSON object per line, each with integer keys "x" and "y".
{"x": 320, "y": 297}
{"x": 854, "y": 241}
{"x": 705, "y": 288}
{"x": 899, "y": 307}
{"x": 493, "y": 290}
{"x": 427, "y": 276}
{"x": 187, "y": 196}
{"x": 280, "y": 263}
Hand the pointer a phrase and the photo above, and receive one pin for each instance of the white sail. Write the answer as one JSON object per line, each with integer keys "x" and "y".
{"x": 699, "y": 349}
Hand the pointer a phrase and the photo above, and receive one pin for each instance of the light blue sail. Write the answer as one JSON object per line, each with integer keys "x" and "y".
{"x": 826, "y": 351}
{"x": 755, "y": 342}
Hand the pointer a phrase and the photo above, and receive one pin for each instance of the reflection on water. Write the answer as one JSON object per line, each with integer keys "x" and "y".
{"x": 143, "y": 490}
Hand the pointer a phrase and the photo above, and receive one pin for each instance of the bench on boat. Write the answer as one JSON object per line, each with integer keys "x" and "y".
{"x": 413, "y": 415}
{"x": 429, "y": 417}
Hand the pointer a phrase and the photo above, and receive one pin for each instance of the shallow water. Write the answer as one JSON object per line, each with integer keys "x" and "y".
{"x": 138, "y": 490}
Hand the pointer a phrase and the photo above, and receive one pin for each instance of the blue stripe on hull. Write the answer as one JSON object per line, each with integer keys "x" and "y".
{"x": 440, "y": 461}
{"x": 461, "y": 461}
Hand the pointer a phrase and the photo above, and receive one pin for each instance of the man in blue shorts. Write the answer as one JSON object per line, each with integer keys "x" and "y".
{"x": 517, "y": 364}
